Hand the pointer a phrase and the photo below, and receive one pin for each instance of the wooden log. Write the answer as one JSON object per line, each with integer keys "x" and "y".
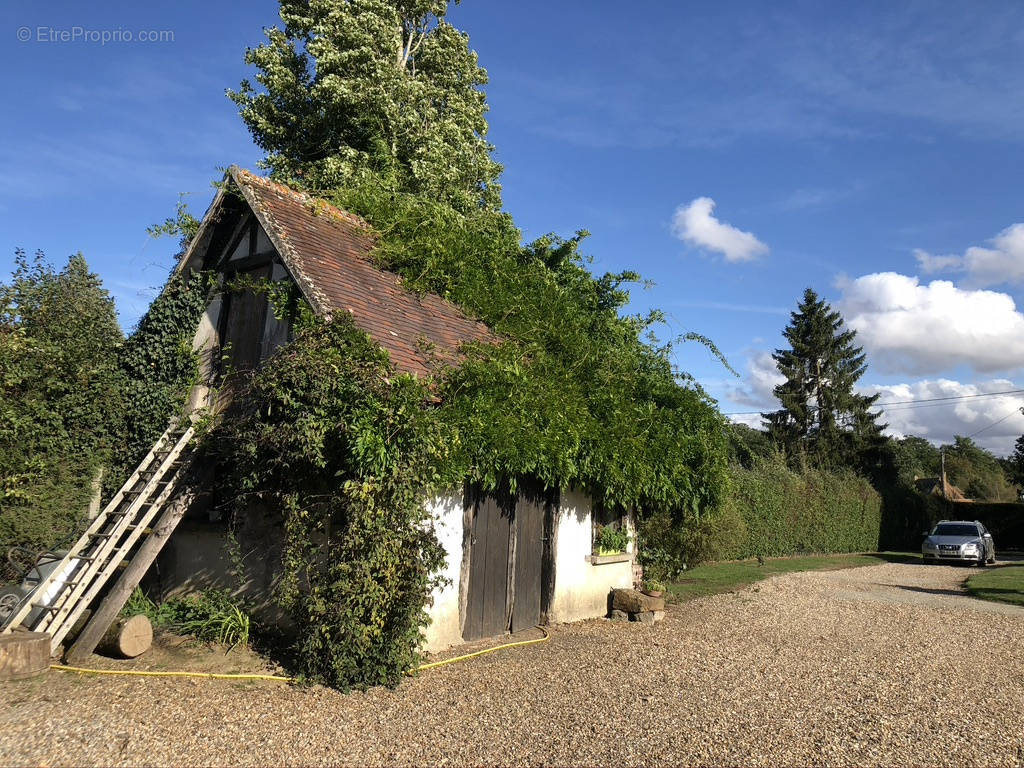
{"x": 23, "y": 654}
{"x": 127, "y": 638}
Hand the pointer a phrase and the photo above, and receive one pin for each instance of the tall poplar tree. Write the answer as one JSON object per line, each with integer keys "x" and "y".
{"x": 383, "y": 87}
{"x": 822, "y": 418}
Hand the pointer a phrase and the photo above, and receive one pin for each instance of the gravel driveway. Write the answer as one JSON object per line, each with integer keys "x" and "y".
{"x": 880, "y": 665}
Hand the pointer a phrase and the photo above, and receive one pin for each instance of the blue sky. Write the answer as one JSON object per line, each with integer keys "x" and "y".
{"x": 734, "y": 153}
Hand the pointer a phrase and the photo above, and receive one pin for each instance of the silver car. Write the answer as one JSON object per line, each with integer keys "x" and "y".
{"x": 962, "y": 541}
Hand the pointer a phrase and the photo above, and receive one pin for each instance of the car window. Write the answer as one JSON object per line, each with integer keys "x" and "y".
{"x": 955, "y": 529}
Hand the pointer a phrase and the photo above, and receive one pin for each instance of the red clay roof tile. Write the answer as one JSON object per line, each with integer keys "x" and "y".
{"x": 328, "y": 252}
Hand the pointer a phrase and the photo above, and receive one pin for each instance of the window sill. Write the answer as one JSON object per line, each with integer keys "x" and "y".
{"x": 621, "y": 557}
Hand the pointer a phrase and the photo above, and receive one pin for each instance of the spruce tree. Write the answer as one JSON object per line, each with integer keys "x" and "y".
{"x": 822, "y": 419}
{"x": 387, "y": 88}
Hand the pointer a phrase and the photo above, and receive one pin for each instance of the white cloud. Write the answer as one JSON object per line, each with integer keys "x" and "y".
{"x": 913, "y": 328}
{"x": 695, "y": 224}
{"x": 998, "y": 416}
{"x": 930, "y": 264}
{"x": 1003, "y": 263}
{"x": 762, "y": 378}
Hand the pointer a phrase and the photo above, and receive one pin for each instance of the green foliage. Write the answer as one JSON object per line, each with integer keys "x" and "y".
{"x": 771, "y": 511}
{"x": 60, "y": 398}
{"x": 159, "y": 368}
{"x": 667, "y": 546}
{"x": 822, "y": 418}
{"x": 578, "y": 394}
{"x": 184, "y": 225}
{"x": 384, "y": 87}
{"x": 610, "y": 540}
{"x": 332, "y": 438}
{"x": 211, "y": 615}
{"x": 653, "y": 585}
{"x": 377, "y": 103}
{"x": 789, "y": 512}
{"x": 747, "y": 445}
{"x": 1014, "y": 464}
{"x": 914, "y": 457}
{"x": 977, "y": 472}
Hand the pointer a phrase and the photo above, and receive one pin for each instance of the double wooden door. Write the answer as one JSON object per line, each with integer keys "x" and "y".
{"x": 510, "y": 561}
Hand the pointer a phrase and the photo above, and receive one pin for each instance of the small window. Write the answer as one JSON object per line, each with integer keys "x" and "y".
{"x": 611, "y": 532}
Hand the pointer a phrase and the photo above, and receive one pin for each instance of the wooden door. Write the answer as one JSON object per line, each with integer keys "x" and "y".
{"x": 490, "y": 539}
{"x": 529, "y": 562}
{"x": 246, "y": 314}
{"x": 511, "y": 561}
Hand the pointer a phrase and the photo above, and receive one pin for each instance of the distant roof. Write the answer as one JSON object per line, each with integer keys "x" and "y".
{"x": 327, "y": 251}
{"x": 933, "y": 486}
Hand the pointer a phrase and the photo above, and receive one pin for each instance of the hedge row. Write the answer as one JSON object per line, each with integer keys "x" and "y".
{"x": 770, "y": 511}
{"x": 784, "y": 512}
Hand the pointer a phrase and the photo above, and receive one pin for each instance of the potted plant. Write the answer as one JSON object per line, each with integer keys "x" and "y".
{"x": 653, "y": 588}
{"x": 610, "y": 540}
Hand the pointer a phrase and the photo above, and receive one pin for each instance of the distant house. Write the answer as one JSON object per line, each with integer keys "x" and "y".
{"x": 511, "y": 562}
{"x": 941, "y": 487}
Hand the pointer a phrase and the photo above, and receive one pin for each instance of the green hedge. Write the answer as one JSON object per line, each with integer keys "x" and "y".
{"x": 771, "y": 511}
{"x": 787, "y": 513}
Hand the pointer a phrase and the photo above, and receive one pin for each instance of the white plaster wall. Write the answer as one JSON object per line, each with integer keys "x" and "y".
{"x": 205, "y": 343}
{"x": 581, "y": 587}
{"x": 445, "y": 628}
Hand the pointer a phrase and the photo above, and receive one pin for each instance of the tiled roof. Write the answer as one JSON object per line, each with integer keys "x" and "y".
{"x": 327, "y": 252}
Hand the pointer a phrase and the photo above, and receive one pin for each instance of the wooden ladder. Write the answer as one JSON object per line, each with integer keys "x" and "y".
{"x": 59, "y": 600}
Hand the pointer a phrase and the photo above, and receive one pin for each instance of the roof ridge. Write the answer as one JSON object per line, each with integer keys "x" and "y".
{"x": 319, "y": 204}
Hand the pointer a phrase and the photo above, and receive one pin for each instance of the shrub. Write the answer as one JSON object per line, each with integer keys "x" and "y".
{"x": 772, "y": 511}
{"x": 212, "y": 615}
{"x": 788, "y": 512}
{"x": 345, "y": 449}
{"x": 60, "y": 398}
{"x": 611, "y": 540}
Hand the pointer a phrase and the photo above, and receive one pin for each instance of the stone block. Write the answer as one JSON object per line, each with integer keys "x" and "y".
{"x": 632, "y": 601}
{"x": 659, "y": 615}
{"x": 615, "y": 615}
{"x": 23, "y": 654}
{"x": 644, "y": 617}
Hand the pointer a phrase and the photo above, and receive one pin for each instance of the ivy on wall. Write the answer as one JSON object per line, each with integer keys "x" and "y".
{"x": 159, "y": 368}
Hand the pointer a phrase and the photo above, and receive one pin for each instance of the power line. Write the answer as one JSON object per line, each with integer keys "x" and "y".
{"x": 910, "y": 402}
{"x": 999, "y": 421}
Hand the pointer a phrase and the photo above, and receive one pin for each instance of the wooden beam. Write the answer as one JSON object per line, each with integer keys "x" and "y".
{"x": 112, "y": 604}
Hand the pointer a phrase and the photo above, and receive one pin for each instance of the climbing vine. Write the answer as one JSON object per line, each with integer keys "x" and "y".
{"x": 159, "y": 368}
{"x": 330, "y": 437}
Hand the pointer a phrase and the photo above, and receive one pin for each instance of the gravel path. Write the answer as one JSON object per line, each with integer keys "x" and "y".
{"x": 880, "y": 665}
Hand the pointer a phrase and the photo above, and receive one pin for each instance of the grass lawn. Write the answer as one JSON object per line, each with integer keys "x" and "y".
{"x": 1003, "y": 583}
{"x": 715, "y": 578}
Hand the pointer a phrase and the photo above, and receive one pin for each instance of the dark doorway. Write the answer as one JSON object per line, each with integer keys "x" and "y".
{"x": 511, "y": 571}
{"x": 245, "y": 317}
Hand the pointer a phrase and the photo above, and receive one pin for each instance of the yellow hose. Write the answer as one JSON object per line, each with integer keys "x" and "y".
{"x": 280, "y": 678}
{"x": 141, "y": 673}
{"x": 481, "y": 653}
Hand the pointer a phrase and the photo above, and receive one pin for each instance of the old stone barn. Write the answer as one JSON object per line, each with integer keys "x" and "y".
{"x": 511, "y": 562}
